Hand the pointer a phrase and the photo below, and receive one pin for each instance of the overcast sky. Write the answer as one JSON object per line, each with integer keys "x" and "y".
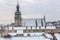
{"x": 29, "y": 9}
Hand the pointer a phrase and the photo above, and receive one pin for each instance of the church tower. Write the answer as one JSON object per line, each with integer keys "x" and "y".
{"x": 18, "y": 16}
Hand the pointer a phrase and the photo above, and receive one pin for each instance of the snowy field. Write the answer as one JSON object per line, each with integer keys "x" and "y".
{"x": 25, "y": 38}
{"x": 38, "y": 36}
{"x": 30, "y": 38}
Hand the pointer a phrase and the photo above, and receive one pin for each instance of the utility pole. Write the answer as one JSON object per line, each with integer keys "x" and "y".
{"x": 44, "y": 22}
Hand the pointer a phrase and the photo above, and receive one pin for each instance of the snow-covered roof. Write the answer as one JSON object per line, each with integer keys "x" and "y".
{"x": 32, "y": 22}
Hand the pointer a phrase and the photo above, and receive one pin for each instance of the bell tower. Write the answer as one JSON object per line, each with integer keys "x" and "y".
{"x": 18, "y": 16}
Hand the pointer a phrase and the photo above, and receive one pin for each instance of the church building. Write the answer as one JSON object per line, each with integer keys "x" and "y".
{"x": 33, "y": 22}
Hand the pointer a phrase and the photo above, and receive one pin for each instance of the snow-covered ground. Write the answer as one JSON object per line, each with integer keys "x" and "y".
{"x": 25, "y": 38}
{"x": 32, "y": 38}
{"x": 20, "y": 30}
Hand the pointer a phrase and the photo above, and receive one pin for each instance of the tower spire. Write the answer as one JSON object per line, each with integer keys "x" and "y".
{"x": 17, "y": 7}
